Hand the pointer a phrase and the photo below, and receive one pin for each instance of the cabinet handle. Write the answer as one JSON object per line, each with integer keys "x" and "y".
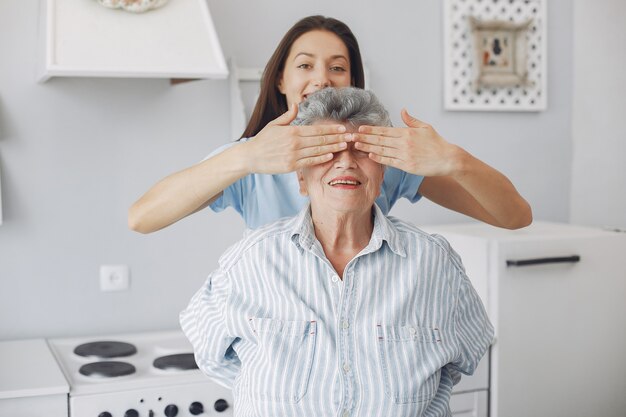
{"x": 538, "y": 261}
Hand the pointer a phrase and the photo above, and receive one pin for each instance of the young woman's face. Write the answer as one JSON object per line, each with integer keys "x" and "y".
{"x": 316, "y": 60}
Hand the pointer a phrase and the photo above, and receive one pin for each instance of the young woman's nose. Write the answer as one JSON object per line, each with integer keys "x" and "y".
{"x": 321, "y": 79}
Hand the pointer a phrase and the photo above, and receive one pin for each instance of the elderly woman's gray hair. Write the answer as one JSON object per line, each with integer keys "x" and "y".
{"x": 348, "y": 104}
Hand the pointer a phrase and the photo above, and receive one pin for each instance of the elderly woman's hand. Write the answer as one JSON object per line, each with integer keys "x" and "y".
{"x": 417, "y": 149}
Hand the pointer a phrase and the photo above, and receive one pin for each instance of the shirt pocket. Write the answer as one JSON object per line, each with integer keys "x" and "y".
{"x": 405, "y": 353}
{"x": 283, "y": 359}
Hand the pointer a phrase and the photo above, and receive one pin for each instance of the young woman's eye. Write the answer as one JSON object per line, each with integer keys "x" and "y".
{"x": 304, "y": 66}
{"x": 338, "y": 69}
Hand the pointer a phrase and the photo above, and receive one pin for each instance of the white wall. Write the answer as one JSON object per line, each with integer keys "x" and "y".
{"x": 599, "y": 99}
{"x": 75, "y": 153}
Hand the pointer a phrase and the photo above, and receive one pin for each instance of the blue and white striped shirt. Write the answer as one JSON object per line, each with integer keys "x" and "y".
{"x": 276, "y": 324}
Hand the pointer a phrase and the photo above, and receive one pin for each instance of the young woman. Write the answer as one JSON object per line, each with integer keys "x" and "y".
{"x": 255, "y": 174}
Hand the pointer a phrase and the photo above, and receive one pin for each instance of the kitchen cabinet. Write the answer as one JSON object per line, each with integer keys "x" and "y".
{"x": 31, "y": 383}
{"x": 470, "y": 396}
{"x": 81, "y": 38}
{"x": 469, "y": 404}
{"x": 559, "y": 315}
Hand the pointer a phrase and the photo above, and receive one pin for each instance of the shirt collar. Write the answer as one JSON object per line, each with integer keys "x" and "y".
{"x": 303, "y": 234}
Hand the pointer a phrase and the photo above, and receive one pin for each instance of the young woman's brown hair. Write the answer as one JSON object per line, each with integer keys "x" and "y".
{"x": 271, "y": 102}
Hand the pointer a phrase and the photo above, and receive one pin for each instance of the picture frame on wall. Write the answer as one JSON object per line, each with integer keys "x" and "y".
{"x": 482, "y": 74}
{"x": 500, "y": 49}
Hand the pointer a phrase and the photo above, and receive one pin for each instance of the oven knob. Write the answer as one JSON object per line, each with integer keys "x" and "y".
{"x": 196, "y": 408}
{"x": 220, "y": 405}
{"x": 105, "y": 414}
{"x": 171, "y": 410}
{"x": 131, "y": 413}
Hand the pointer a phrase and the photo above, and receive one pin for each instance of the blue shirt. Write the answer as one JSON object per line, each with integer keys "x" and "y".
{"x": 276, "y": 324}
{"x": 263, "y": 198}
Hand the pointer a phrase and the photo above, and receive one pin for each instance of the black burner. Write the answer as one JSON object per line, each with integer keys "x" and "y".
{"x": 105, "y": 349}
{"x": 107, "y": 369}
{"x": 181, "y": 362}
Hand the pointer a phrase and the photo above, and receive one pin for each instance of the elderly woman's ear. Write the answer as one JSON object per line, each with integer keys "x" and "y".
{"x": 303, "y": 189}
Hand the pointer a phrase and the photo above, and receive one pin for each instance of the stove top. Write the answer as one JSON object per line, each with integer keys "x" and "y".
{"x": 180, "y": 362}
{"x": 122, "y": 362}
{"x": 105, "y": 349}
{"x": 141, "y": 374}
{"x": 106, "y": 369}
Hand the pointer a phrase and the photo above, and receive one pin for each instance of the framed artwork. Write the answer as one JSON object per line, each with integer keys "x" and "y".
{"x": 499, "y": 53}
{"x": 495, "y": 55}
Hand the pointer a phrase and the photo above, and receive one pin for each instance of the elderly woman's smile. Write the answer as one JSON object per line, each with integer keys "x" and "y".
{"x": 349, "y": 183}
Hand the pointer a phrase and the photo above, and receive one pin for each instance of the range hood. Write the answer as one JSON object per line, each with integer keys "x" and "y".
{"x": 82, "y": 38}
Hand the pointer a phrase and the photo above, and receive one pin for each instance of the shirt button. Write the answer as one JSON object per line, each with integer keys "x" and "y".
{"x": 335, "y": 278}
{"x": 412, "y": 330}
{"x": 346, "y": 367}
{"x": 345, "y": 324}
{"x": 346, "y": 413}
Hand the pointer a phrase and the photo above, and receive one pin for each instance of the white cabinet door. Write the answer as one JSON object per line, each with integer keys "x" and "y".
{"x": 478, "y": 381}
{"x": 469, "y": 404}
{"x": 40, "y": 406}
{"x": 561, "y": 329}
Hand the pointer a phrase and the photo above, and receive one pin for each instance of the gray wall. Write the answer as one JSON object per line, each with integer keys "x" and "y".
{"x": 75, "y": 153}
{"x": 599, "y": 99}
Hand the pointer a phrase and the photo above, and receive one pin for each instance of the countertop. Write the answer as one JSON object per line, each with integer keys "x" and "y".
{"x": 27, "y": 368}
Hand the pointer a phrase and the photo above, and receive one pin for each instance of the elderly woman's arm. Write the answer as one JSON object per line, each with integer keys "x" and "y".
{"x": 204, "y": 324}
{"x": 453, "y": 177}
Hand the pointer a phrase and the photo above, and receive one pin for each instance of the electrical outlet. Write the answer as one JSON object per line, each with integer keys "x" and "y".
{"x": 114, "y": 277}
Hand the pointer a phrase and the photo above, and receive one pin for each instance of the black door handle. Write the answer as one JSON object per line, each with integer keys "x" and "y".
{"x": 539, "y": 261}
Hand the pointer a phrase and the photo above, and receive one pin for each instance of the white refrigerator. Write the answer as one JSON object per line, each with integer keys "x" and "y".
{"x": 556, "y": 294}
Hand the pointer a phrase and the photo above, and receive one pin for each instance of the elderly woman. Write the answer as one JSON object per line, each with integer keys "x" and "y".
{"x": 339, "y": 311}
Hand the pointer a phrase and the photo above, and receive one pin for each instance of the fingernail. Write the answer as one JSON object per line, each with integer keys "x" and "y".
{"x": 348, "y": 136}
{"x": 341, "y": 129}
{"x": 343, "y": 145}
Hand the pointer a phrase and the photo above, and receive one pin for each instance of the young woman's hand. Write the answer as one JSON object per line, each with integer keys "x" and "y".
{"x": 417, "y": 149}
{"x": 453, "y": 177}
{"x": 279, "y": 148}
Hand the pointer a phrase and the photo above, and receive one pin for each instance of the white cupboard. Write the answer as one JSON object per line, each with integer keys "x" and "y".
{"x": 556, "y": 295}
{"x": 80, "y": 38}
{"x": 31, "y": 382}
